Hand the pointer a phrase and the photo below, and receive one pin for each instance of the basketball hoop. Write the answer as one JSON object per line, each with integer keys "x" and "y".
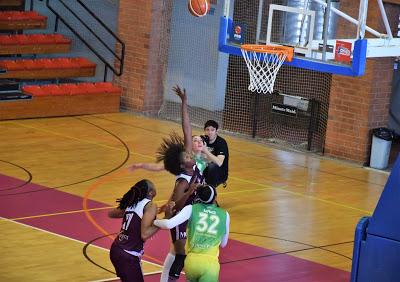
{"x": 263, "y": 63}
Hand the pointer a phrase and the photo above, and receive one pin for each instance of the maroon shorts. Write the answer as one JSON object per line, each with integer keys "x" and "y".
{"x": 127, "y": 266}
{"x": 178, "y": 232}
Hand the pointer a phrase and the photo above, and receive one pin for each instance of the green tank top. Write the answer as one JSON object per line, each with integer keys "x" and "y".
{"x": 205, "y": 229}
{"x": 201, "y": 163}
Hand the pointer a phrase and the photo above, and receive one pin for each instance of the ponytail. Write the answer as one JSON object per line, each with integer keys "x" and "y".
{"x": 138, "y": 192}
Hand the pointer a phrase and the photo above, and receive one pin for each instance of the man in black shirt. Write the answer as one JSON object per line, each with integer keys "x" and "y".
{"x": 217, "y": 152}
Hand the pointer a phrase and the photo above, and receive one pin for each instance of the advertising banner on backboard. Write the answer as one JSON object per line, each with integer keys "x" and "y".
{"x": 343, "y": 51}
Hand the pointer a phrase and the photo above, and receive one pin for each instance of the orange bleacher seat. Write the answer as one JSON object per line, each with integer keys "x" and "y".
{"x": 33, "y": 39}
{"x": 52, "y": 64}
{"x": 65, "y": 63}
{"x": 35, "y": 90}
{"x": 20, "y": 16}
{"x": 79, "y": 90}
{"x": 11, "y": 15}
{"x": 88, "y": 88}
{"x": 6, "y": 40}
{"x": 40, "y": 39}
{"x": 22, "y": 39}
{"x": 43, "y": 62}
{"x": 5, "y": 16}
{"x": 53, "y": 89}
{"x": 103, "y": 84}
{"x": 51, "y": 39}
{"x": 56, "y": 90}
{"x": 29, "y": 64}
{"x": 82, "y": 62}
{"x": 60, "y": 39}
{"x": 11, "y": 65}
{"x": 40, "y": 63}
{"x": 108, "y": 87}
{"x": 33, "y": 15}
{"x": 70, "y": 88}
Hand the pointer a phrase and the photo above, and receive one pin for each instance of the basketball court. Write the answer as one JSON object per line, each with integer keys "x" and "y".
{"x": 292, "y": 214}
{"x": 265, "y": 74}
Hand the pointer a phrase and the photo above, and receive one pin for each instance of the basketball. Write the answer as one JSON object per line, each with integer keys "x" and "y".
{"x": 199, "y": 8}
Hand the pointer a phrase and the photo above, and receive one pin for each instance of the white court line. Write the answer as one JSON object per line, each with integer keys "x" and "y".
{"x": 106, "y": 279}
{"x": 115, "y": 278}
{"x": 69, "y": 238}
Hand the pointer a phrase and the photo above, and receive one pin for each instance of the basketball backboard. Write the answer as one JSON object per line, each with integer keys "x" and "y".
{"x": 310, "y": 28}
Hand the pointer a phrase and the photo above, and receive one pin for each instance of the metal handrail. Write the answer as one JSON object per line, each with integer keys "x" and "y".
{"x": 120, "y": 58}
{"x": 100, "y": 22}
{"x": 85, "y": 25}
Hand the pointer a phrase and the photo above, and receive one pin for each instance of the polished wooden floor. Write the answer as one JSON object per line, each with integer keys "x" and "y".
{"x": 288, "y": 202}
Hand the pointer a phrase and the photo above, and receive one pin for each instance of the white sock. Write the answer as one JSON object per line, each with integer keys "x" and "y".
{"x": 169, "y": 260}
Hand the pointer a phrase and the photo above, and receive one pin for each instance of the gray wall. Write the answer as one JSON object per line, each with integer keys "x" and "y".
{"x": 194, "y": 60}
{"x": 107, "y": 10}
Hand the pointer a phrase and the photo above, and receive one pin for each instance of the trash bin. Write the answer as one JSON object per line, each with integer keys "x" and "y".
{"x": 381, "y": 142}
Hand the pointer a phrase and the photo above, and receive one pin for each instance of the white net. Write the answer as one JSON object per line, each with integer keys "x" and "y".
{"x": 263, "y": 68}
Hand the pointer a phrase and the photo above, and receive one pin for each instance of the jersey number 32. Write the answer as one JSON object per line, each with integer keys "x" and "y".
{"x": 207, "y": 223}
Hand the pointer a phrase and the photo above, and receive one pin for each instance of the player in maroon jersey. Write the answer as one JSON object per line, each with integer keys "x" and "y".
{"x": 138, "y": 213}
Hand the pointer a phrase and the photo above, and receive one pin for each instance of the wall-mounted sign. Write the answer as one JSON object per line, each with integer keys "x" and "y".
{"x": 284, "y": 110}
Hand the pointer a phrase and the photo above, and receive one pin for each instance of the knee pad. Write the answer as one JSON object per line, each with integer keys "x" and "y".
{"x": 177, "y": 266}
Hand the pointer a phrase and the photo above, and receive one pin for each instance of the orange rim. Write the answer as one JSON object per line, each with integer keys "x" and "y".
{"x": 270, "y": 49}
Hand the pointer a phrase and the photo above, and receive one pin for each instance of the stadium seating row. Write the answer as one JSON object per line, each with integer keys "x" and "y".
{"x": 71, "y": 89}
{"x": 46, "y": 100}
{"x": 28, "y": 39}
{"x": 55, "y": 63}
{"x": 20, "y": 16}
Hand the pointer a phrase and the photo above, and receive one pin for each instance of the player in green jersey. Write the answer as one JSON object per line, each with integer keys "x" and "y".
{"x": 207, "y": 230}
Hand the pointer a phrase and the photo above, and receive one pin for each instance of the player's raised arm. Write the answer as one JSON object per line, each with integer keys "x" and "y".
{"x": 186, "y": 128}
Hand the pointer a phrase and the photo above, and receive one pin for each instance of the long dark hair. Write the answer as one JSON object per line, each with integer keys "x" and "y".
{"x": 138, "y": 192}
{"x": 170, "y": 153}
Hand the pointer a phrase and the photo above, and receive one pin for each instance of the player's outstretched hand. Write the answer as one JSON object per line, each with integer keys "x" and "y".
{"x": 181, "y": 93}
{"x": 135, "y": 167}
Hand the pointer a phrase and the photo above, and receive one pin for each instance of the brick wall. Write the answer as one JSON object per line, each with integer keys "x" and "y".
{"x": 143, "y": 25}
{"x": 359, "y": 104}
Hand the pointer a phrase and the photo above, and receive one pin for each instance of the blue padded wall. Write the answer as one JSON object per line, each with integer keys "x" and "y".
{"x": 385, "y": 221}
{"x": 376, "y": 254}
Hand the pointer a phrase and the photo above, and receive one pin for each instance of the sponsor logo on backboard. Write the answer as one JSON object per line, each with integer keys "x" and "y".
{"x": 237, "y": 33}
{"x": 343, "y": 51}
